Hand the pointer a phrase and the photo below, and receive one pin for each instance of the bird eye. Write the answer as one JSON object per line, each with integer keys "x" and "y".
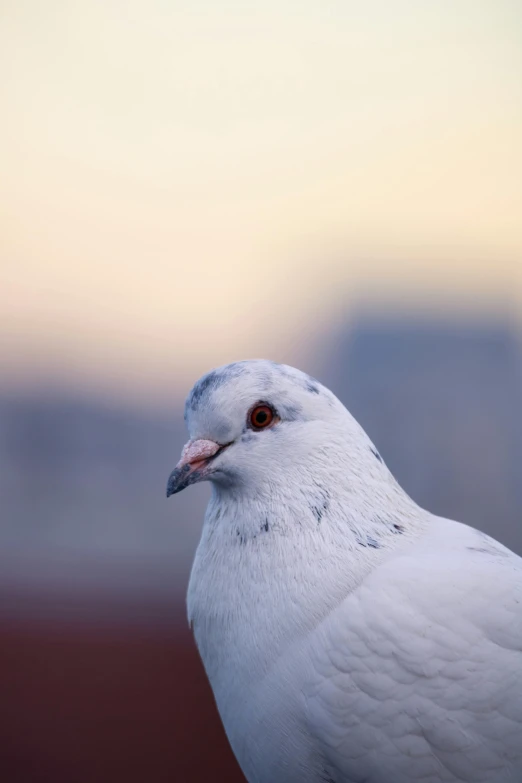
{"x": 261, "y": 417}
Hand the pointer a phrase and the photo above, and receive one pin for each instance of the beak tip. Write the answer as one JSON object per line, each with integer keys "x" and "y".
{"x": 179, "y": 479}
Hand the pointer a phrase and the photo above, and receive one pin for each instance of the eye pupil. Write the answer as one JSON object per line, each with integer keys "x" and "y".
{"x": 261, "y": 417}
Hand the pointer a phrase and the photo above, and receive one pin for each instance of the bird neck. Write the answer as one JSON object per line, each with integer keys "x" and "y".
{"x": 348, "y": 508}
{"x": 274, "y": 565}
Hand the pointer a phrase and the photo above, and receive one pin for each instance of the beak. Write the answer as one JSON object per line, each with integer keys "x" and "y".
{"x": 190, "y": 469}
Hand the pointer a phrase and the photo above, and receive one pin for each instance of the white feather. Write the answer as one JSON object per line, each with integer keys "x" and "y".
{"x": 348, "y": 635}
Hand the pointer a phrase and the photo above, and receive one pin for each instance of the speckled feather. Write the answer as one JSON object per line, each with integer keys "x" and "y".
{"x": 349, "y": 636}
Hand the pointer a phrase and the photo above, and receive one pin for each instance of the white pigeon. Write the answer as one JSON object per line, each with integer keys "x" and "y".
{"x": 349, "y": 636}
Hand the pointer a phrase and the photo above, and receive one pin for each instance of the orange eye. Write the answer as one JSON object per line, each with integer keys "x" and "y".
{"x": 261, "y": 417}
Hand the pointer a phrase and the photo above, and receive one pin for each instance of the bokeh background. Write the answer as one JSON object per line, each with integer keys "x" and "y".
{"x": 336, "y": 185}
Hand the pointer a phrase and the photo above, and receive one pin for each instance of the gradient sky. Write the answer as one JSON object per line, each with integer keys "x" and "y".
{"x": 185, "y": 183}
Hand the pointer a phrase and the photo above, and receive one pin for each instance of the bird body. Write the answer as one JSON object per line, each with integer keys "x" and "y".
{"x": 348, "y": 635}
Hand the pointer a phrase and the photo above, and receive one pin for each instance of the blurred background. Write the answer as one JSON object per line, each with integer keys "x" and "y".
{"x": 335, "y": 185}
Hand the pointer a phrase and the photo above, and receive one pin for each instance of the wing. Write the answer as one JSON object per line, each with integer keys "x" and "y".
{"x": 417, "y": 676}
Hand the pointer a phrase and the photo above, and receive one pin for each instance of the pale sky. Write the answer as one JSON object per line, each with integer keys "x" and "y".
{"x": 186, "y": 183}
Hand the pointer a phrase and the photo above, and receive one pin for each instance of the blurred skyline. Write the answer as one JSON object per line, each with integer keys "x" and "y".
{"x": 439, "y": 400}
{"x": 184, "y": 184}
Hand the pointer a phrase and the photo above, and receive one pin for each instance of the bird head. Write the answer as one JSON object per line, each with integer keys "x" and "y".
{"x": 255, "y": 422}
